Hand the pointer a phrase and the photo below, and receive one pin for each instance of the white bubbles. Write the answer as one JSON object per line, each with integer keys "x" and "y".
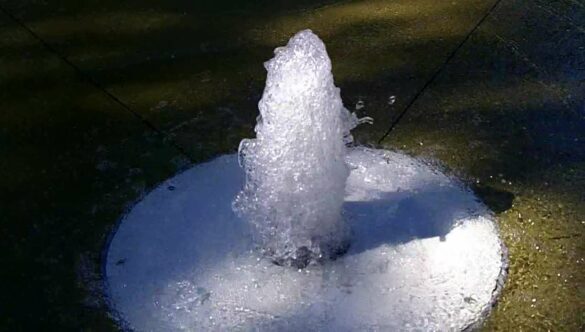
{"x": 295, "y": 167}
{"x": 424, "y": 256}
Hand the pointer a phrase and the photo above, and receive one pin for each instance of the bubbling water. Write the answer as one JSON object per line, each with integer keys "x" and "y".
{"x": 425, "y": 253}
{"x": 295, "y": 168}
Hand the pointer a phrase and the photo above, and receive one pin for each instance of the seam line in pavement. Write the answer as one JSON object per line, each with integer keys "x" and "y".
{"x": 96, "y": 84}
{"x": 439, "y": 71}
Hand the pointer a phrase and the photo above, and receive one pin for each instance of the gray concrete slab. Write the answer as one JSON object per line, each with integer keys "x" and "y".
{"x": 72, "y": 160}
{"x": 508, "y": 114}
{"x": 195, "y": 70}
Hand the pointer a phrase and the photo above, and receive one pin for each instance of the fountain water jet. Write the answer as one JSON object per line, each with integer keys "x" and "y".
{"x": 425, "y": 253}
{"x": 295, "y": 168}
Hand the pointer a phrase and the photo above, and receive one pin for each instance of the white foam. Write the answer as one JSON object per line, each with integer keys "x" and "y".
{"x": 295, "y": 168}
{"x": 425, "y": 255}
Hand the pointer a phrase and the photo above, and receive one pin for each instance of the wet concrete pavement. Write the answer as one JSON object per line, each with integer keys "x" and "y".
{"x": 102, "y": 100}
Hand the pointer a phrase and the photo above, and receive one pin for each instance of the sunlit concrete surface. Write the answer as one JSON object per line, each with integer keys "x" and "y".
{"x": 102, "y": 100}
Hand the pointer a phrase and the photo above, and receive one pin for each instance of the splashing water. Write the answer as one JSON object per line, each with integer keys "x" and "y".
{"x": 425, "y": 253}
{"x": 295, "y": 168}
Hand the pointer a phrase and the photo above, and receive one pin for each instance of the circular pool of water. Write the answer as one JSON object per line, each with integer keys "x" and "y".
{"x": 425, "y": 255}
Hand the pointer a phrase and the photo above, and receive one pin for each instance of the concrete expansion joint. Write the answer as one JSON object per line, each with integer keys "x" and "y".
{"x": 95, "y": 83}
{"x": 441, "y": 68}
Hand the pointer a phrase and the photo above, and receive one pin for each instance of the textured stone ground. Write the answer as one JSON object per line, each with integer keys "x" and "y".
{"x": 102, "y": 100}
